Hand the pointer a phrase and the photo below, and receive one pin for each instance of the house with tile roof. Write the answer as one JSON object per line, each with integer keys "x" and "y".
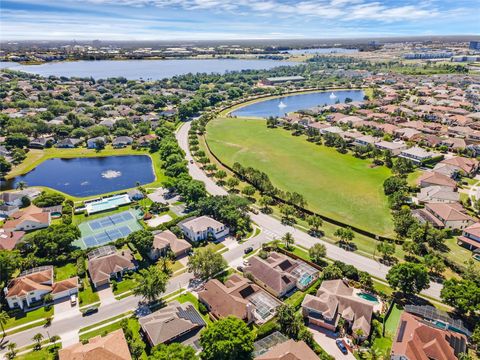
{"x": 451, "y": 216}
{"x": 465, "y": 166}
{"x": 203, "y": 227}
{"x": 112, "y": 346}
{"x": 32, "y": 285}
{"x": 238, "y": 297}
{"x": 174, "y": 323}
{"x": 108, "y": 264}
{"x": 10, "y": 239}
{"x": 289, "y": 350}
{"x": 437, "y": 194}
{"x": 167, "y": 241}
{"x": 335, "y": 300}
{"x": 419, "y": 340}
{"x": 31, "y": 218}
{"x": 429, "y": 178}
{"x": 470, "y": 237}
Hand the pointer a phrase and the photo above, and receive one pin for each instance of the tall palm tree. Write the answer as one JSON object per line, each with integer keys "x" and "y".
{"x": 38, "y": 337}
{"x": 288, "y": 240}
{"x": 3, "y": 320}
{"x": 12, "y": 352}
{"x": 21, "y": 185}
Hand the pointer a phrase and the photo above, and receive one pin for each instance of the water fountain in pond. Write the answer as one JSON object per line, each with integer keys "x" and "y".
{"x": 282, "y": 105}
{"x": 333, "y": 96}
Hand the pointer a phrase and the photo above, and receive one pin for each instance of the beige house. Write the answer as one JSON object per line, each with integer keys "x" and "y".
{"x": 289, "y": 350}
{"x": 109, "y": 347}
{"x": 32, "y": 285}
{"x": 165, "y": 241}
{"x": 335, "y": 300}
{"x": 202, "y": 227}
{"x": 452, "y": 216}
{"x": 106, "y": 262}
{"x": 28, "y": 219}
{"x": 238, "y": 297}
{"x": 436, "y": 179}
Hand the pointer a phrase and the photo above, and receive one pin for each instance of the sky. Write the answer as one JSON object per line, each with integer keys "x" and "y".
{"x": 233, "y": 19}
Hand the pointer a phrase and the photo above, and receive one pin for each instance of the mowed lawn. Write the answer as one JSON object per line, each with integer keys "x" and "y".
{"x": 336, "y": 185}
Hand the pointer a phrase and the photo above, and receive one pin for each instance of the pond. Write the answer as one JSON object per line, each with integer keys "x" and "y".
{"x": 83, "y": 177}
{"x": 322, "y": 51}
{"x": 281, "y": 106}
{"x": 144, "y": 69}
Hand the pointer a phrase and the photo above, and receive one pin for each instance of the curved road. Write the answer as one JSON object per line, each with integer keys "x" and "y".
{"x": 274, "y": 227}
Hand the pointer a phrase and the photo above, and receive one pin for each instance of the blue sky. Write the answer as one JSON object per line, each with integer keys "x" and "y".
{"x": 233, "y": 19}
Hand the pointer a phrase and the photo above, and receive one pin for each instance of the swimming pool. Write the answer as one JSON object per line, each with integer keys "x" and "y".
{"x": 368, "y": 297}
{"x": 305, "y": 280}
{"x": 107, "y": 203}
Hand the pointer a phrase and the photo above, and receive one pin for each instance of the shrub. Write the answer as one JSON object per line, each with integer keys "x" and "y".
{"x": 266, "y": 329}
{"x": 202, "y": 308}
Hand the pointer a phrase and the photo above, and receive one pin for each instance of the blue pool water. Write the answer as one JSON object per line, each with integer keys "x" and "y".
{"x": 107, "y": 203}
{"x": 286, "y": 104}
{"x": 83, "y": 177}
{"x": 368, "y": 297}
{"x": 305, "y": 280}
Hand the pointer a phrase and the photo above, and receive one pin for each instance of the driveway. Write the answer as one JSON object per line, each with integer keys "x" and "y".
{"x": 64, "y": 310}
{"x": 106, "y": 295}
{"x": 326, "y": 339}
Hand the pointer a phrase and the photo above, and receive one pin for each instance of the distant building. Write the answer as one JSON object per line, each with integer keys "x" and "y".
{"x": 474, "y": 45}
{"x": 281, "y": 80}
{"x": 428, "y": 55}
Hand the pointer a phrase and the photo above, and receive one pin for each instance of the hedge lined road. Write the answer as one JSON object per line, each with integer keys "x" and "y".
{"x": 273, "y": 226}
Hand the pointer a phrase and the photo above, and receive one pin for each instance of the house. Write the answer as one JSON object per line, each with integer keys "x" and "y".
{"x": 430, "y": 178}
{"x": 112, "y": 346}
{"x": 238, "y": 297}
{"x": 68, "y": 143}
{"x": 335, "y": 300}
{"x": 165, "y": 241}
{"x": 289, "y": 350}
{"x": 452, "y": 216}
{"x": 110, "y": 123}
{"x": 31, "y": 218}
{"x": 437, "y": 194}
{"x": 32, "y": 285}
{"x": 174, "y": 323}
{"x": 395, "y": 148}
{"x": 203, "y": 227}
{"x": 365, "y": 140}
{"x": 145, "y": 140}
{"x": 281, "y": 80}
{"x": 106, "y": 262}
{"x": 93, "y": 142}
{"x": 122, "y": 141}
{"x": 470, "y": 237}
{"x": 418, "y": 340}
{"x": 279, "y": 274}
{"x": 40, "y": 143}
{"x": 465, "y": 166}
{"x": 10, "y": 239}
{"x": 416, "y": 154}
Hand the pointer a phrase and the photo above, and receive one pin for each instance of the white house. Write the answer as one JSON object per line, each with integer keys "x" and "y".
{"x": 32, "y": 286}
{"x": 394, "y": 147}
{"x": 31, "y": 218}
{"x": 416, "y": 154}
{"x": 202, "y": 227}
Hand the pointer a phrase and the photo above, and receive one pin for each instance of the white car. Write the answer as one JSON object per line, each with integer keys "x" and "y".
{"x": 73, "y": 299}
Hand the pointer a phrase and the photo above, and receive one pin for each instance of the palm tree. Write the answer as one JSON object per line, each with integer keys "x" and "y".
{"x": 38, "y": 339}
{"x": 3, "y": 320}
{"x": 21, "y": 185}
{"x": 288, "y": 240}
{"x": 12, "y": 352}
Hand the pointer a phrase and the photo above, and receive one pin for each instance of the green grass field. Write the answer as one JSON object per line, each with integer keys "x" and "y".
{"x": 336, "y": 185}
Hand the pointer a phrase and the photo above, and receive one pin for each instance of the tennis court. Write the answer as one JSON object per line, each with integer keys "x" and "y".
{"x": 107, "y": 229}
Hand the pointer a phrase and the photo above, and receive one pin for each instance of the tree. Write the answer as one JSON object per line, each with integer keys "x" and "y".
{"x": 289, "y": 321}
{"x": 463, "y": 295}
{"x": 332, "y": 272}
{"x": 3, "y": 320}
{"x": 317, "y": 252}
{"x": 393, "y": 184}
{"x": 434, "y": 263}
{"x": 314, "y": 221}
{"x": 287, "y": 211}
{"x": 232, "y": 183}
{"x": 173, "y": 351}
{"x": 37, "y": 338}
{"x": 386, "y": 249}
{"x": 409, "y": 278}
{"x": 205, "y": 263}
{"x": 142, "y": 239}
{"x": 402, "y": 166}
{"x": 12, "y": 351}
{"x": 220, "y": 175}
{"x": 365, "y": 280}
{"x": 47, "y": 199}
{"x": 150, "y": 283}
{"x": 5, "y": 167}
{"x": 288, "y": 240}
{"x": 265, "y": 202}
{"x": 346, "y": 235}
{"x": 248, "y": 191}
{"x": 227, "y": 339}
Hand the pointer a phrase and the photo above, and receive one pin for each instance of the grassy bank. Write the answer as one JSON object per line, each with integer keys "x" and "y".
{"x": 336, "y": 185}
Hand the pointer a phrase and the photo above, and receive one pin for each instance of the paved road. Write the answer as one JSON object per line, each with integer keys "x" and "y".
{"x": 271, "y": 225}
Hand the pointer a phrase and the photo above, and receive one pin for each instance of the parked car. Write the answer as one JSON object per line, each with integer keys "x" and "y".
{"x": 245, "y": 262}
{"x": 191, "y": 161}
{"x": 73, "y": 299}
{"x": 248, "y": 250}
{"x": 90, "y": 310}
{"x": 240, "y": 268}
{"x": 341, "y": 346}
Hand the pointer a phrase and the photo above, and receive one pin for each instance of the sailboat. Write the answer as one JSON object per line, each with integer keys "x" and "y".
{"x": 333, "y": 96}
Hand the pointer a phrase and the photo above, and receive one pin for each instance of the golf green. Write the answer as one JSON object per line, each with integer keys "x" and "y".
{"x": 337, "y": 185}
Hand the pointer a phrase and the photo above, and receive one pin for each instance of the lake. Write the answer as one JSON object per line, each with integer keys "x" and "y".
{"x": 281, "y": 106}
{"x": 83, "y": 177}
{"x": 144, "y": 69}
{"x": 322, "y": 51}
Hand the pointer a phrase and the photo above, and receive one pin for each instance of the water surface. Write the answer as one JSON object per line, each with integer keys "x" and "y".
{"x": 322, "y": 51}
{"x": 82, "y": 177}
{"x": 286, "y": 104}
{"x": 144, "y": 69}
